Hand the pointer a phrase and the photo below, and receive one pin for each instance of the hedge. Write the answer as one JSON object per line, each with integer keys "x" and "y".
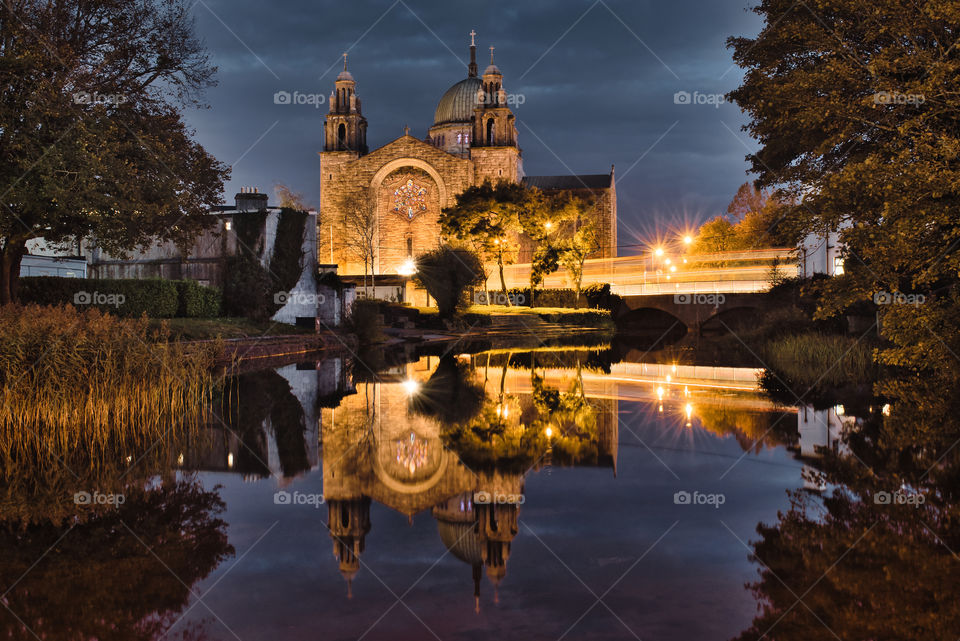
{"x": 593, "y": 296}
{"x": 155, "y": 297}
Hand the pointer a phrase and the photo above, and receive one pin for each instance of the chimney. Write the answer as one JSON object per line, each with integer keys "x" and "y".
{"x": 250, "y": 199}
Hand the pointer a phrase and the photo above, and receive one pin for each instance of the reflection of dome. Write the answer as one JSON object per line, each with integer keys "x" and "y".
{"x": 458, "y": 102}
{"x": 462, "y": 541}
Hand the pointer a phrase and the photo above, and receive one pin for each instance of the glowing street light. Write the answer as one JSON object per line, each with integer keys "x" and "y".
{"x": 688, "y": 240}
{"x": 411, "y": 386}
{"x": 548, "y": 432}
{"x": 408, "y": 268}
{"x": 658, "y": 251}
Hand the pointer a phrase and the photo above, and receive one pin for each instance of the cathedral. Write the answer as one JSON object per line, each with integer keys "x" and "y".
{"x": 381, "y": 208}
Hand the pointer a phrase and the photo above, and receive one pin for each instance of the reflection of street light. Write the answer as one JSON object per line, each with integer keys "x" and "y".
{"x": 408, "y": 268}
{"x": 549, "y": 432}
{"x": 689, "y": 410}
{"x": 673, "y": 268}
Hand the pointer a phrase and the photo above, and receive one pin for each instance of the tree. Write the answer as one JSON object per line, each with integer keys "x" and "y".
{"x": 546, "y": 217}
{"x": 856, "y": 109}
{"x": 486, "y": 219}
{"x": 360, "y": 227}
{"x": 290, "y": 199}
{"x": 446, "y": 273}
{"x": 92, "y": 143}
{"x": 575, "y": 250}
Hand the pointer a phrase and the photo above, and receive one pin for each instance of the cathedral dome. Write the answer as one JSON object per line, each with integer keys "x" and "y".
{"x": 458, "y": 102}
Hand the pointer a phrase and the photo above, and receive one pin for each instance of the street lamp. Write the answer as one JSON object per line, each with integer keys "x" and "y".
{"x": 688, "y": 240}
{"x": 408, "y": 268}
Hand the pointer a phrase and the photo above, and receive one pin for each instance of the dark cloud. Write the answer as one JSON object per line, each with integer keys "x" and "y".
{"x": 598, "y": 80}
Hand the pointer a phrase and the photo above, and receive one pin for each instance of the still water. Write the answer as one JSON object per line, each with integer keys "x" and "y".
{"x": 498, "y": 494}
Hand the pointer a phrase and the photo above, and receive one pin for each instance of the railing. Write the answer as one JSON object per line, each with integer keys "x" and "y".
{"x": 694, "y": 287}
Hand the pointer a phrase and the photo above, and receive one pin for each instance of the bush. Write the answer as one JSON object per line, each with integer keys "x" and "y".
{"x": 197, "y": 301}
{"x": 447, "y": 273}
{"x": 155, "y": 297}
{"x": 595, "y": 296}
{"x": 366, "y": 321}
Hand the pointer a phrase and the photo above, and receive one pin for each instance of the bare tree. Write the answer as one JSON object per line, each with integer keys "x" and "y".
{"x": 360, "y": 229}
{"x": 289, "y": 198}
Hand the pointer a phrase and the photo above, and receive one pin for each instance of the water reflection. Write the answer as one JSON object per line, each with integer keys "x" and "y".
{"x": 454, "y": 441}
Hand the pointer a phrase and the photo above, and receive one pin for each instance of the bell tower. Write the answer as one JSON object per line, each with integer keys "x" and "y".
{"x": 345, "y": 128}
{"x": 494, "y": 144}
{"x": 493, "y": 124}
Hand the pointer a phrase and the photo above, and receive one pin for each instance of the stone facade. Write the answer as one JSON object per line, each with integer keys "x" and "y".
{"x": 379, "y": 210}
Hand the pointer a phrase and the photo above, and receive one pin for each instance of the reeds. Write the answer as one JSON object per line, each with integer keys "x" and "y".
{"x": 81, "y": 386}
{"x": 821, "y": 360}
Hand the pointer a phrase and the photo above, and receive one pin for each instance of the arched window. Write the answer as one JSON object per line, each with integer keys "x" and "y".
{"x": 490, "y": 131}
{"x": 342, "y": 137}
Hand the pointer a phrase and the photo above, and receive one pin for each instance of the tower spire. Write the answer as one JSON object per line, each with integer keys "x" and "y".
{"x": 491, "y": 54}
{"x": 344, "y": 60}
{"x": 472, "y": 69}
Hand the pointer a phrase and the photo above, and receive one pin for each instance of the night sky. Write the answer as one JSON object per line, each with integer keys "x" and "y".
{"x": 597, "y": 78}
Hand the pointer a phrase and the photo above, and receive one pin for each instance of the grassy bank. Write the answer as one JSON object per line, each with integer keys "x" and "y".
{"x": 193, "y": 329}
{"x": 481, "y": 314}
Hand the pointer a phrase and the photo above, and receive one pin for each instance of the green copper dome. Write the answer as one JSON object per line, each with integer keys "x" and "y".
{"x": 458, "y": 103}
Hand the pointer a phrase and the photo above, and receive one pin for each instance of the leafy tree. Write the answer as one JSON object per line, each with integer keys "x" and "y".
{"x": 486, "y": 219}
{"x": 91, "y": 139}
{"x": 446, "y": 273}
{"x": 715, "y": 235}
{"x": 546, "y": 218}
{"x": 856, "y": 109}
{"x": 581, "y": 244}
{"x": 755, "y": 219}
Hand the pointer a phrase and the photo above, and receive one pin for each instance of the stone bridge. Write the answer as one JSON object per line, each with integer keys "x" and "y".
{"x": 694, "y": 311}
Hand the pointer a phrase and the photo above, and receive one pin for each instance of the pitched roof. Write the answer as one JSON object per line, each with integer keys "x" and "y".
{"x": 582, "y": 181}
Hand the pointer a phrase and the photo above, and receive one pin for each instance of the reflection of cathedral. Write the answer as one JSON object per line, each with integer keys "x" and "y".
{"x": 407, "y": 182}
{"x": 376, "y": 447}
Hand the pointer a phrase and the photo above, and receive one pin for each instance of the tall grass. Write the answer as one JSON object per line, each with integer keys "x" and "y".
{"x": 79, "y": 387}
{"x": 820, "y": 361}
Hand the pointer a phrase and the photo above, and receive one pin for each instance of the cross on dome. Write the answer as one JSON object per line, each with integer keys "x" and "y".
{"x": 473, "y": 34}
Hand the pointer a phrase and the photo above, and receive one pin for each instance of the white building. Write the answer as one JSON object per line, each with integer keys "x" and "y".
{"x": 821, "y": 254}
